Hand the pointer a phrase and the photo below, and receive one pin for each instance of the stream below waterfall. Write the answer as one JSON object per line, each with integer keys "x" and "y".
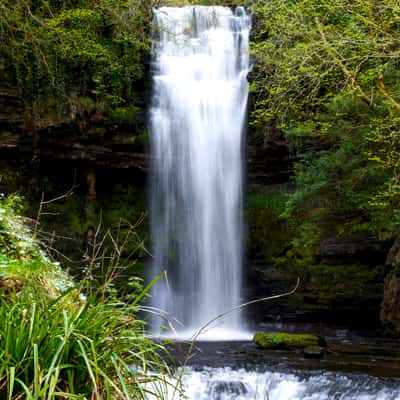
{"x": 263, "y": 384}
{"x": 356, "y": 366}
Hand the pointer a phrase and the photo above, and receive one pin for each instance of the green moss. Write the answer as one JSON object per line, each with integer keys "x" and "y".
{"x": 64, "y": 51}
{"x": 275, "y": 201}
{"x": 268, "y": 230}
{"x": 332, "y": 284}
{"x": 124, "y": 114}
{"x": 288, "y": 341}
{"x": 9, "y": 174}
{"x": 22, "y": 261}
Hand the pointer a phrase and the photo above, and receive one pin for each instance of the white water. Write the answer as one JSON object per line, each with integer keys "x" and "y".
{"x": 240, "y": 384}
{"x": 197, "y": 118}
{"x": 228, "y": 384}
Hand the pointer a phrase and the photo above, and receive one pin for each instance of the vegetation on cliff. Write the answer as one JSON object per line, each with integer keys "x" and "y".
{"x": 327, "y": 79}
{"x": 75, "y": 58}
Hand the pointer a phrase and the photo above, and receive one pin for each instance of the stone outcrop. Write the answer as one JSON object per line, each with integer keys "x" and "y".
{"x": 341, "y": 282}
{"x": 83, "y": 134}
{"x": 288, "y": 341}
{"x": 11, "y": 110}
{"x": 267, "y": 161}
{"x": 393, "y": 258}
{"x": 390, "y": 308}
{"x": 360, "y": 246}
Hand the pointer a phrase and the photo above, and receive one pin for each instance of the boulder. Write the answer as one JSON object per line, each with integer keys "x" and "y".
{"x": 314, "y": 352}
{"x": 288, "y": 341}
{"x": 390, "y": 307}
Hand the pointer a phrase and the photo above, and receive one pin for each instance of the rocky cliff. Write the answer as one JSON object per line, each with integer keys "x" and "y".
{"x": 105, "y": 162}
{"x": 390, "y": 310}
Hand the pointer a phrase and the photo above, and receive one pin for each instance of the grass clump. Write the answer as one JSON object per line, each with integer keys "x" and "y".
{"x": 57, "y": 343}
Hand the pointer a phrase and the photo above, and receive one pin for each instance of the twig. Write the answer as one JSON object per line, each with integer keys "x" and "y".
{"x": 240, "y": 306}
{"x": 342, "y": 65}
{"x": 382, "y": 89}
{"x": 43, "y": 203}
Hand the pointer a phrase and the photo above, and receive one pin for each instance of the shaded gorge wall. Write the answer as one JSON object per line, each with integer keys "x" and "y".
{"x": 104, "y": 156}
{"x": 341, "y": 279}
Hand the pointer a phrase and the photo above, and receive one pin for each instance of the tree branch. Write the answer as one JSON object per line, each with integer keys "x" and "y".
{"x": 343, "y": 67}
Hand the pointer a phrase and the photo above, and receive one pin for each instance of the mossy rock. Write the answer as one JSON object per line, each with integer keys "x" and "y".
{"x": 288, "y": 341}
{"x": 314, "y": 352}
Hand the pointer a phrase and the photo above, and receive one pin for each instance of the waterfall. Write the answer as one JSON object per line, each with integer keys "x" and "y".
{"x": 198, "y": 112}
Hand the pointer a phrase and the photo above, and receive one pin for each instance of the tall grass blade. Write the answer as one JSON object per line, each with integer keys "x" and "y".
{"x": 88, "y": 366}
{"x": 55, "y": 360}
{"x": 32, "y": 321}
{"x": 11, "y": 383}
{"x": 121, "y": 378}
{"x": 27, "y": 391}
{"x": 140, "y": 296}
{"x": 35, "y": 372}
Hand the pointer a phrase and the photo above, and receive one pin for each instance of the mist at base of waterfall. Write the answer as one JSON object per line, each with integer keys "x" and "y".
{"x": 212, "y": 335}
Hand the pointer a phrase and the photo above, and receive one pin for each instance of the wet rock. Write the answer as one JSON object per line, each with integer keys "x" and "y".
{"x": 220, "y": 389}
{"x": 314, "y": 352}
{"x": 390, "y": 307}
{"x": 360, "y": 245}
{"x": 341, "y": 283}
{"x": 393, "y": 257}
{"x": 288, "y": 341}
{"x": 268, "y": 161}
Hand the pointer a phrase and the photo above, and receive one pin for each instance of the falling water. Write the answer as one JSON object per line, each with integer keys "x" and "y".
{"x": 197, "y": 117}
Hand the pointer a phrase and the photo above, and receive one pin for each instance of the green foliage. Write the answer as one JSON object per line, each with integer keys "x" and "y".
{"x": 268, "y": 230}
{"x": 15, "y": 238}
{"x": 58, "y": 52}
{"x": 327, "y": 77}
{"x": 62, "y": 340}
{"x": 275, "y": 201}
{"x": 67, "y": 350}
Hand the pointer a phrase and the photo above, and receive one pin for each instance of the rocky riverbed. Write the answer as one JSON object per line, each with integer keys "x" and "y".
{"x": 347, "y": 352}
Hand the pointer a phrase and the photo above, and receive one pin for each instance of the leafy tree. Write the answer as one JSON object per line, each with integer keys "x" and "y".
{"x": 75, "y": 55}
{"x": 327, "y": 78}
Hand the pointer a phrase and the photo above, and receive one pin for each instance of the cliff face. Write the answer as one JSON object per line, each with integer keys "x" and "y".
{"x": 11, "y": 117}
{"x": 80, "y": 133}
{"x": 105, "y": 162}
{"x": 87, "y": 137}
{"x": 341, "y": 278}
{"x": 390, "y": 310}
